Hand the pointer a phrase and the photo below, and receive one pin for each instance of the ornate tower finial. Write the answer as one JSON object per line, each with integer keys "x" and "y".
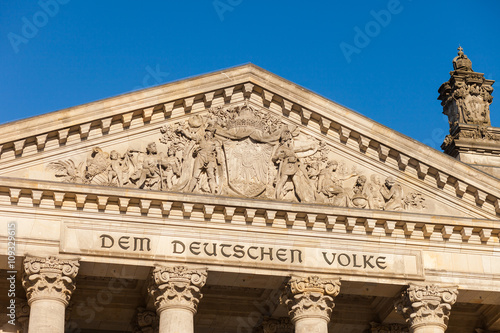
{"x": 461, "y": 62}
{"x": 466, "y": 99}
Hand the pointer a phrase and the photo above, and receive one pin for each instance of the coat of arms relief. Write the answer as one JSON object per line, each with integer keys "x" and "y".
{"x": 241, "y": 151}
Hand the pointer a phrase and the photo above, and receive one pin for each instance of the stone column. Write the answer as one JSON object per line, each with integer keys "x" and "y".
{"x": 427, "y": 308}
{"x": 176, "y": 291}
{"x": 310, "y": 302}
{"x": 49, "y": 283}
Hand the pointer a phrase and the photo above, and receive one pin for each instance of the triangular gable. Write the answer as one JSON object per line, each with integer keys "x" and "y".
{"x": 342, "y": 158}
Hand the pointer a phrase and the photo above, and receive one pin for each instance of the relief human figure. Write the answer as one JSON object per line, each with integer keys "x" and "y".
{"x": 375, "y": 199}
{"x": 330, "y": 185}
{"x": 291, "y": 170}
{"x": 206, "y": 159}
{"x": 147, "y": 174}
{"x": 392, "y": 194}
{"x": 116, "y": 169}
{"x": 170, "y": 167}
{"x": 359, "y": 196}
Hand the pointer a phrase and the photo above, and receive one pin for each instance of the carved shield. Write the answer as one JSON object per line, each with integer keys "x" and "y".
{"x": 248, "y": 166}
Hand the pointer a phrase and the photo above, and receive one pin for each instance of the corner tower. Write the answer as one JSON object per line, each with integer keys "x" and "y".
{"x": 466, "y": 99}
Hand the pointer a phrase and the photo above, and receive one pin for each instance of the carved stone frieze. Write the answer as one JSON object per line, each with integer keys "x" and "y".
{"x": 388, "y": 328}
{"x": 241, "y": 151}
{"x": 177, "y": 287}
{"x": 49, "y": 278}
{"x": 310, "y": 296}
{"x": 427, "y": 304}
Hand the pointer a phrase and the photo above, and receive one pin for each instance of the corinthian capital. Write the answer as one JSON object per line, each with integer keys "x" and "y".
{"x": 427, "y": 305}
{"x": 49, "y": 278}
{"x": 310, "y": 297}
{"x": 177, "y": 287}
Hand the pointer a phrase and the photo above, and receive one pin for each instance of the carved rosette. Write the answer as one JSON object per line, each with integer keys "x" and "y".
{"x": 49, "y": 278}
{"x": 427, "y": 305}
{"x": 310, "y": 297}
{"x": 177, "y": 287}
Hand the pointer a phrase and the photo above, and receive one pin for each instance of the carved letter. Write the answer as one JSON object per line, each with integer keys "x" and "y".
{"x": 214, "y": 252}
{"x": 195, "y": 248}
{"x": 354, "y": 261}
{"x": 141, "y": 241}
{"x": 123, "y": 242}
{"x": 103, "y": 238}
{"x": 270, "y": 253}
{"x": 366, "y": 261}
{"x": 222, "y": 247}
{"x": 326, "y": 259}
{"x": 238, "y": 251}
{"x": 300, "y": 255}
{"x": 380, "y": 262}
{"x": 175, "y": 243}
{"x": 248, "y": 252}
{"x": 281, "y": 256}
{"x": 345, "y": 256}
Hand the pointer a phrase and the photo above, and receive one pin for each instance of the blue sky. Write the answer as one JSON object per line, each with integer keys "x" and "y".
{"x": 56, "y": 54}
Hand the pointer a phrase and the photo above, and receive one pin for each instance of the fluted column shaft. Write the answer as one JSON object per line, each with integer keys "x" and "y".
{"x": 427, "y": 308}
{"x": 310, "y": 302}
{"x": 49, "y": 284}
{"x": 177, "y": 292}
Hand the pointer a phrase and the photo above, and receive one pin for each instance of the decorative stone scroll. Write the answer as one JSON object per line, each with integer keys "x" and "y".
{"x": 310, "y": 297}
{"x": 23, "y": 314}
{"x": 49, "y": 278}
{"x": 276, "y": 325}
{"x": 146, "y": 321}
{"x": 427, "y": 305}
{"x": 177, "y": 287}
{"x": 245, "y": 152}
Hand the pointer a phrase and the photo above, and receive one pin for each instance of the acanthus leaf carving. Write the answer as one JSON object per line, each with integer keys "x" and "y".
{"x": 427, "y": 304}
{"x": 177, "y": 287}
{"x": 49, "y": 277}
{"x": 310, "y": 296}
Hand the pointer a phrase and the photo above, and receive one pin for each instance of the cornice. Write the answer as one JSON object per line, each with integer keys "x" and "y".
{"x": 76, "y": 197}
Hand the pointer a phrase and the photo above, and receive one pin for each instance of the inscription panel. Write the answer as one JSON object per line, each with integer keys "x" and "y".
{"x": 261, "y": 253}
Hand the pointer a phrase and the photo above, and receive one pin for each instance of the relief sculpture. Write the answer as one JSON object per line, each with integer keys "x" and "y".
{"x": 241, "y": 151}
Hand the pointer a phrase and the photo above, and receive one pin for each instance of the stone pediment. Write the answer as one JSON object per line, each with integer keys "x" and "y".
{"x": 244, "y": 133}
